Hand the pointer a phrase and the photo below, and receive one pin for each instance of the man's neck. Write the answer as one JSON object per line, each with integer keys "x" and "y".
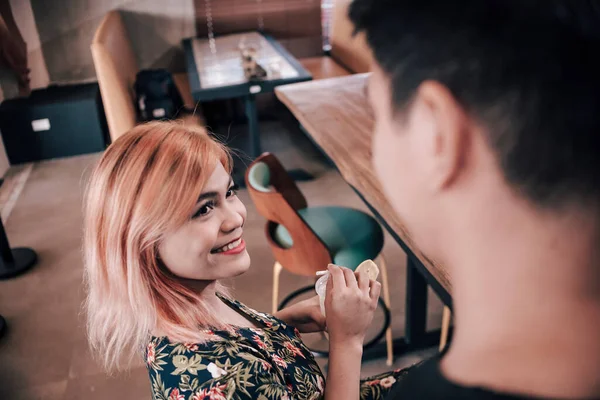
{"x": 527, "y": 307}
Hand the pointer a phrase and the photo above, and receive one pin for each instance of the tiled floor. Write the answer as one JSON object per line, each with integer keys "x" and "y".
{"x": 45, "y": 354}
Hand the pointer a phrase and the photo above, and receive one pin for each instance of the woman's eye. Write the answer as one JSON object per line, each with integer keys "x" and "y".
{"x": 205, "y": 209}
{"x": 232, "y": 191}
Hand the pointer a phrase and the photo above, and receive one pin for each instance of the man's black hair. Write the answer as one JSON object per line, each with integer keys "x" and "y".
{"x": 528, "y": 71}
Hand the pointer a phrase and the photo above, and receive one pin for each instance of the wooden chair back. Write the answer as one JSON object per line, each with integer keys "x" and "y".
{"x": 116, "y": 69}
{"x": 278, "y": 200}
{"x": 350, "y": 51}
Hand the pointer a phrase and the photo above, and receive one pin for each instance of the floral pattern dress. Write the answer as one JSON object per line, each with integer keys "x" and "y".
{"x": 270, "y": 363}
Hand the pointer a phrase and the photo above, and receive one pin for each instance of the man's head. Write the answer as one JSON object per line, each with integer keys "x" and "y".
{"x": 483, "y": 102}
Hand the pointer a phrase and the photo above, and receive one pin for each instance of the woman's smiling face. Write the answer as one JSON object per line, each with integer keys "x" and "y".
{"x": 209, "y": 246}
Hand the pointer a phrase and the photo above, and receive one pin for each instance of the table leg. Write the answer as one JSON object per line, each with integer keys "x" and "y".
{"x": 253, "y": 128}
{"x": 416, "y": 303}
{"x": 255, "y": 147}
{"x": 2, "y": 326}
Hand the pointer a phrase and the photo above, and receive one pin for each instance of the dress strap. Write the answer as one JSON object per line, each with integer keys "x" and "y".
{"x": 263, "y": 319}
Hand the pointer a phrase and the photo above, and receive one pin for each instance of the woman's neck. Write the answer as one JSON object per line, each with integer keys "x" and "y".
{"x": 207, "y": 290}
{"x": 202, "y": 288}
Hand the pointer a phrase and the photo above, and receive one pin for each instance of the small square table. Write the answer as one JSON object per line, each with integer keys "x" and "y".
{"x": 215, "y": 72}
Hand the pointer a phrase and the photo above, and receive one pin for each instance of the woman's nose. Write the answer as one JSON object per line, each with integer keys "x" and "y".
{"x": 233, "y": 219}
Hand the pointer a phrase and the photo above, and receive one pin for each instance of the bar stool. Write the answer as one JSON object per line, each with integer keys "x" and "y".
{"x": 13, "y": 262}
{"x": 306, "y": 239}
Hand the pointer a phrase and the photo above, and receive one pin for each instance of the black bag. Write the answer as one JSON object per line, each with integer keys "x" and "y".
{"x": 156, "y": 94}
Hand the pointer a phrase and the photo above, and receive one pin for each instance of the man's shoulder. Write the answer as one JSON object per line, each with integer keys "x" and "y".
{"x": 420, "y": 381}
{"x": 425, "y": 381}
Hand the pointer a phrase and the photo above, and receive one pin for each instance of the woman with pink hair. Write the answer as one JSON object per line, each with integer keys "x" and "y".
{"x": 163, "y": 226}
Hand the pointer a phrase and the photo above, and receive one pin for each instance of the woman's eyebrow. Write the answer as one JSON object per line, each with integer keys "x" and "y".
{"x": 211, "y": 195}
{"x": 207, "y": 195}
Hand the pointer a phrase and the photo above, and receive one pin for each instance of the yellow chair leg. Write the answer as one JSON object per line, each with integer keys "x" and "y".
{"x": 386, "y": 299}
{"x": 276, "y": 272}
{"x": 446, "y": 317}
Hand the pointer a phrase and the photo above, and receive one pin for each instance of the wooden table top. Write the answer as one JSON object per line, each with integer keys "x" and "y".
{"x": 338, "y": 117}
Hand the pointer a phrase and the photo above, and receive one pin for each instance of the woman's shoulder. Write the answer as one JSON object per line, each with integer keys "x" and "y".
{"x": 162, "y": 354}
{"x": 161, "y": 348}
{"x": 176, "y": 367}
{"x": 228, "y": 363}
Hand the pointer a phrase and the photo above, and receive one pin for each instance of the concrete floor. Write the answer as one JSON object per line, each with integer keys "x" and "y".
{"x": 44, "y": 354}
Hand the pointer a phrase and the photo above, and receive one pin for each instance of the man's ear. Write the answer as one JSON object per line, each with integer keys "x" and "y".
{"x": 449, "y": 132}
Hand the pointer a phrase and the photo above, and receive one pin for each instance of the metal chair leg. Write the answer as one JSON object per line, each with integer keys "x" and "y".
{"x": 386, "y": 298}
{"x": 446, "y": 317}
{"x": 276, "y": 272}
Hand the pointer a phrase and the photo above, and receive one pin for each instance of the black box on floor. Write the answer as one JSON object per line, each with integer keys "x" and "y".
{"x": 58, "y": 121}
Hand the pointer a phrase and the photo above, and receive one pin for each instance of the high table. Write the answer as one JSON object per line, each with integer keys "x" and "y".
{"x": 336, "y": 115}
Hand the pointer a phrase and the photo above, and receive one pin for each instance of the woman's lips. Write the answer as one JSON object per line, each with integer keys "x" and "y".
{"x": 240, "y": 246}
{"x": 233, "y": 245}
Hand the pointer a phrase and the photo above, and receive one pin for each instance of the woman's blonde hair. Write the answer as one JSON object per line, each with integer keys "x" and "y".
{"x": 146, "y": 184}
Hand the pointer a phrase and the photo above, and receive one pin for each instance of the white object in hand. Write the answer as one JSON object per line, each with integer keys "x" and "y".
{"x": 367, "y": 266}
{"x": 321, "y": 287}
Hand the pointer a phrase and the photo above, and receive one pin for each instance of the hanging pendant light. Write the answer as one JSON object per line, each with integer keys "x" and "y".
{"x": 209, "y": 25}
{"x": 261, "y": 21}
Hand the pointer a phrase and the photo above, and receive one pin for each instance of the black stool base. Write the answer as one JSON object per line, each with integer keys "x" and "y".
{"x": 23, "y": 259}
{"x": 370, "y": 344}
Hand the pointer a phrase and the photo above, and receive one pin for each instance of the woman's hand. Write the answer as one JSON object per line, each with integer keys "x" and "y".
{"x": 304, "y": 315}
{"x": 350, "y": 303}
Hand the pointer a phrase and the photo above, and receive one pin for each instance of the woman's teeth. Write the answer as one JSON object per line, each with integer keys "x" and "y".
{"x": 229, "y": 246}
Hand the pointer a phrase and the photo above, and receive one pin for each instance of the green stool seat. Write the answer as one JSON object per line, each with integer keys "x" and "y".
{"x": 351, "y": 236}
